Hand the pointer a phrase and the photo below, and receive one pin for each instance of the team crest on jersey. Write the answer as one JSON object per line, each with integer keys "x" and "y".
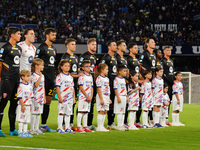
{"x": 114, "y": 69}
{"x": 74, "y": 67}
{"x": 52, "y": 60}
{"x": 38, "y": 51}
{"x": 171, "y": 69}
{"x": 4, "y": 95}
{"x": 137, "y": 69}
{"x": 103, "y": 61}
{"x": 153, "y": 63}
{"x": 1, "y": 51}
{"x": 16, "y": 60}
{"x": 30, "y": 59}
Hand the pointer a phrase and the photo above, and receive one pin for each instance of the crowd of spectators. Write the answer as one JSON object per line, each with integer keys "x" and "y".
{"x": 130, "y": 20}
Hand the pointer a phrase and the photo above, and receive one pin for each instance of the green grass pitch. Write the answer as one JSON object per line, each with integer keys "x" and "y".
{"x": 168, "y": 138}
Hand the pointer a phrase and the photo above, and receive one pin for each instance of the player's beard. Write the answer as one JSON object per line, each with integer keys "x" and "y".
{"x": 93, "y": 50}
{"x": 52, "y": 40}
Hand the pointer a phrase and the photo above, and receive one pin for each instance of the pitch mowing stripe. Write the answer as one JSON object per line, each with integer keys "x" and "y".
{"x": 29, "y": 147}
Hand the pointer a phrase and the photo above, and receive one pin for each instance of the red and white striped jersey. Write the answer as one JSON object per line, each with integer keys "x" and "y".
{"x": 66, "y": 84}
{"x": 103, "y": 83}
{"x": 87, "y": 82}
{"x": 25, "y": 92}
{"x": 38, "y": 92}
{"x": 120, "y": 86}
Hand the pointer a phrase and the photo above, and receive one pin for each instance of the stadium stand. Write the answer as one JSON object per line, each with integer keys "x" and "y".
{"x": 105, "y": 19}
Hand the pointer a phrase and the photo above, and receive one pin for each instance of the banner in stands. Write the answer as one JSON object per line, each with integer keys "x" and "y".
{"x": 164, "y": 27}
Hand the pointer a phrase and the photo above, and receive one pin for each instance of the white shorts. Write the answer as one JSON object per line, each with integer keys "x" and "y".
{"x": 120, "y": 107}
{"x": 37, "y": 108}
{"x": 105, "y": 106}
{"x": 133, "y": 108}
{"x": 176, "y": 106}
{"x": 84, "y": 106}
{"x": 164, "y": 111}
{"x": 23, "y": 117}
{"x": 146, "y": 109}
{"x": 65, "y": 108}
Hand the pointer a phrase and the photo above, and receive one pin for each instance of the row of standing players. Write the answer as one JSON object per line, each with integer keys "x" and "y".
{"x": 24, "y": 52}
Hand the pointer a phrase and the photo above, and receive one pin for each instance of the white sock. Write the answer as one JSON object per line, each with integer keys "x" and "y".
{"x": 145, "y": 118}
{"x": 60, "y": 121}
{"x": 157, "y": 116}
{"x": 177, "y": 117}
{"x": 32, "y": 124}
{"x": 20, "y": 126}
{"x": 131, "y": 118}
{"x": 122, "y": 121}
{"x": 153, "y": 113}
{"x": 119, "y": 120}
{"x": 37, "y": 122}
{"x": 99, "y": 120}
{"x": 79, "y": 117}
{"x": 85, "y": 118}
{"x": 67, "y": 121}
{"x": 173, "y": 117}
{"x": 103, "y": 120}
{"x": 25, "y": 126}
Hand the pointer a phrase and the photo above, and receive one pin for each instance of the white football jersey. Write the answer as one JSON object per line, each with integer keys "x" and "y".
{"x": 66, "y": 84}
{"x": 25, "y": 92}
{"x": 147, "y": 95}
{"x": 103, "y": 83}
{"x": 39, "y": 92}
{"x": 120, "y": 86}
{"x": 27, "y": 55}
{"x": 87, "y": 82}
{"x": 178, "y": 88}
{"x": 133, "y": 97}
{"x": 165, "y": 99}
{"x": 157, "y": 86}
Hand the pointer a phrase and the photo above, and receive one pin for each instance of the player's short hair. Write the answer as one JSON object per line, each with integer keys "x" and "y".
{"x": 24, "y": 73}
{"x": 26, "y": 31}
{"x": 12, "y": 30}
{"x": 67, "y": 41}
{"x": 85, "y": 62}
{"x": 120, "y": 42}
{"x": 91, "y": 40}
{"x": 165, "y": 85}
{"x": 158, "y": 68}
{"x": 145, "y": 72}
{"x": 177, "y": 73}
{"x": 165, "y": 47}
{"x": 147, "y": 41}
{"x": 49, "y": 30}
{"x": 36, "y": 61}
{"x": 130, "y": 45}
{"x": 120, "y": 67}
{"x": 61, "y": 63}
{"x": 109, "y": 42}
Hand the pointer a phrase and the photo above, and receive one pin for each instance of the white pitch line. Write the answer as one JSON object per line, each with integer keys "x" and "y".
{"x": 29, "y": 147}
